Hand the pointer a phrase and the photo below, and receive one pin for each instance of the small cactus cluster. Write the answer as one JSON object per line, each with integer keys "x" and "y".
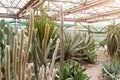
{"x": 49, "y": 72}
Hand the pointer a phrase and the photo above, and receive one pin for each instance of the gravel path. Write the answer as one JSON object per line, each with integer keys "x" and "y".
{"x": 93, "y": 71}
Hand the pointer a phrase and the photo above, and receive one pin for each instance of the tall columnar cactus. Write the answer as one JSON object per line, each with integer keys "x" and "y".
{"x": 14, "y": 58}
{"x": 21, "y": 55}
{"x": 7, "y": 63}
{"x": 31, "y": 25}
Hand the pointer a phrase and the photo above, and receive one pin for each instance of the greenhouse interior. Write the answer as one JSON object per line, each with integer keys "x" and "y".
{"x": 59, "y": 39}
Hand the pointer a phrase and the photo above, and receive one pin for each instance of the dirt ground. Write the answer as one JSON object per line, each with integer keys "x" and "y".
{"x": 94, "y": 70}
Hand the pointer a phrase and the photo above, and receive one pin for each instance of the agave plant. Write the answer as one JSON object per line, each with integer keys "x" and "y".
{"x": 88, "y": 51}
{"x": 73, "y": 72}
{"x": 79, "y": 47}
{"x": 111, "y": 71}
{"x": 72, "y": 44}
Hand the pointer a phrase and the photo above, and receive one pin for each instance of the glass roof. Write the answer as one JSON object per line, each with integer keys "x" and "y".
{"x": 74, "y": 10}
{"x": 83, "y": 10}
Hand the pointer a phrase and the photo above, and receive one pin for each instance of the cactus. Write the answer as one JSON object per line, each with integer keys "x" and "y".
{"x": 48, "y": 73}
{"x": 21, "y": 55}
{"x": 7, "y": 63}
{"x": 1, "y": 36}
{"x": 6, "y": 30}
{"x": 2, "y": 24}
{"x": 14, "y": 58}
{"x": 17, "y": 71}
{"x": 31, "y": 25}
{"x": 6, "y": 36}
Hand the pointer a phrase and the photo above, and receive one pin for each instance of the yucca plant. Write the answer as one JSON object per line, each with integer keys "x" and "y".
{"x": 45, "y": 34}
{"x": 113, "y": 41}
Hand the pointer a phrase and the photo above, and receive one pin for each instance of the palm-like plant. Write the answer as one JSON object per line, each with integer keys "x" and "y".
{"x": 113, "y": 39}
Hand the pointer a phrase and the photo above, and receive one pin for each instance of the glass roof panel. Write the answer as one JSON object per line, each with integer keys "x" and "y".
{"x": 85, "y": 9}
{"x": 12, "y": 6}
{"x": 3, "y": 10}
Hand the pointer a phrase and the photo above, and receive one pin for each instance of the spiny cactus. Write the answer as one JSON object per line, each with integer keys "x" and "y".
{"x": 20, "y": 71}
{"x": 14, "y": 58}
{"x": 7, "y": 63}
{"x": 21, "y": 55}
{"x": 6, "y": 38}
{"x": 31, "y": 25}
{"x": 2, "y": 36}
{"x": 2, "y": 24}
{"x": 49, "y": 73}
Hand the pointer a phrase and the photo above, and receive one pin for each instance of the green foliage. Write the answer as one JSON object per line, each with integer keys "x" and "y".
{"x": 44, "y": 38}
{"x": 74, "y": 72}
{"x": 88, "y": 51}
{"x": 113, "y": 41}
{"x": 72, "y": 44}
{"x": 113, "y": 69}
{"x": 45, "y": 34}
{"x": 79, "y": 47}
{"x": 2, "y": 37}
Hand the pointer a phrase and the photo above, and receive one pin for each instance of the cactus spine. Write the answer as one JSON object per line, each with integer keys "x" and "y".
{"x": 7, "y": 63}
